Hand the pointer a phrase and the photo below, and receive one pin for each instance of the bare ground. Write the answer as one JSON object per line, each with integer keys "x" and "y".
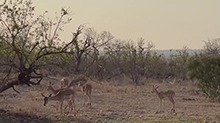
{"x": 111, "y": 104}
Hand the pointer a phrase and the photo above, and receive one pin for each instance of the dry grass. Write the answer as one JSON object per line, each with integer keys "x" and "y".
{"x": 111, "y": 104}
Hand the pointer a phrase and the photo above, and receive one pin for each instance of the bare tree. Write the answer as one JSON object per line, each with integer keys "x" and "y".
{"x": 88, "y": 46}
{"x": 30, "y": 39}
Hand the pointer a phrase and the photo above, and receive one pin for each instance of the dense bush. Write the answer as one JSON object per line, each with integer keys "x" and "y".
{"x": 206, "y": 70}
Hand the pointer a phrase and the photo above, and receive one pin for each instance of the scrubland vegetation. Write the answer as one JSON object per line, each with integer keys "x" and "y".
{"x": 122, "y": 73}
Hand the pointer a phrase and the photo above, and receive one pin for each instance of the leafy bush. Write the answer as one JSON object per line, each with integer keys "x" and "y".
{"x": 206, "y": 69}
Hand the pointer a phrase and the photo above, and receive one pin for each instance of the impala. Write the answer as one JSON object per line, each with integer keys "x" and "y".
{"x": 169, "y": 94}
{"x": 85, "y": 87}
{"x": 61, "y": 96}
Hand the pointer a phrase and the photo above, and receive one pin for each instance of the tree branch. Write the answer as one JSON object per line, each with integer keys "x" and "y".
{"x": 78, "y": 32}
{"x": 9, "y": 85}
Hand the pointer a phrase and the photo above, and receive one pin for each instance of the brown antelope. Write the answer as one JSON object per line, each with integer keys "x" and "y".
{"x": 169, "y": 94}
{"x": 85, "y": 87}
{"x": 64, "y": 82}
{"x": 61, "y": 96}
{"x": 54, "y": 91}
{"x": 87, "y": 90}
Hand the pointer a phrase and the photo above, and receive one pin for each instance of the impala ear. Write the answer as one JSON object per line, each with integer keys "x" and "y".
{"x": 155, "y": 86}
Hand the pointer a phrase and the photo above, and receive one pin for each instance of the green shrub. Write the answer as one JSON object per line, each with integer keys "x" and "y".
{"x": 206, "y": 69}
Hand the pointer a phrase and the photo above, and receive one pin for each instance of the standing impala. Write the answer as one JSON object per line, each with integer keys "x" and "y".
{"x": 166, "y": 94}
{"x": 85, "y": 87}
{"x": 87, "y": 90}
{"x": 54, "y": 91}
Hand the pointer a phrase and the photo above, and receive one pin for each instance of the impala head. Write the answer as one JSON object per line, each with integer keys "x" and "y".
{"x": 154, "y": 88}
{"x": 46, "y": 98}
{"x": 83, "y": 88}
{"x": 64, "y": 82}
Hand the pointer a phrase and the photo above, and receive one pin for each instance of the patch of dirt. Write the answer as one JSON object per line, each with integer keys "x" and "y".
{"x": 110, "y": 104}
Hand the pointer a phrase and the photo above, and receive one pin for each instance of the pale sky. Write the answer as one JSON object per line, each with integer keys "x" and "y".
{"x": 167, "y": 23}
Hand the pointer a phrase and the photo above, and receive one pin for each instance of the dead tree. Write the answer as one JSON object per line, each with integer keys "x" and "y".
{"x": 30, "y": 40}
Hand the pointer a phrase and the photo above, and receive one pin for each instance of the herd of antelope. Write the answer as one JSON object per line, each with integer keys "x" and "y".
{"x": 67, "y": 93}
{"x": 68, "y": 89}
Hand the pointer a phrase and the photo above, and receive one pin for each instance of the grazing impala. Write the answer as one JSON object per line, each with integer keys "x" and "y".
{"x": 53, "y": 91}
{"x": 169, "y": 94}
{"x": 61, "y": 96}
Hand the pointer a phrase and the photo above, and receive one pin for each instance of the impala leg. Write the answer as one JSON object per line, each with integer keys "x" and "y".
{"x": 74, "y": 108}
{"x": 161, "y": 101}
{"x": 57, "y": 107}
{"x": 69, "y": 104}
{"x": 84, "y": 98}
{"x": 173, "y": 104}
{"x": 61, "y": 106}
{"x": 89, "y": 100}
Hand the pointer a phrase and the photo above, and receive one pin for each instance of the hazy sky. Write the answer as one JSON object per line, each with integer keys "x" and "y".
{"x": 167, "y": 23}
